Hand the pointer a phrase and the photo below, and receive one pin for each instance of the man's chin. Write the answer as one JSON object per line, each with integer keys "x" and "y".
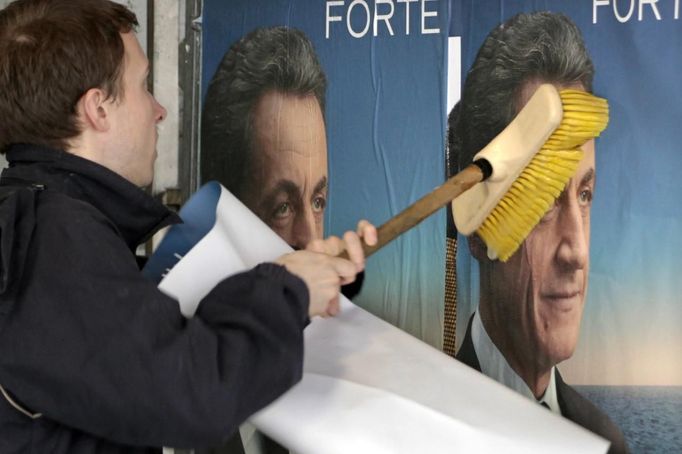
{"x": 145, "y": 183}
{"x": 558, "y": 329}
{"x": 561, "y": 344}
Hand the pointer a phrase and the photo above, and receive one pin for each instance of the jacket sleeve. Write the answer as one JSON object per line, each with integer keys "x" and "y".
{"x": 94, "y": 345}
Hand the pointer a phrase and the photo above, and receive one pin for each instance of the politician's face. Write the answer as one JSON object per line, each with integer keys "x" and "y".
{"x": 288, "y": 169}
{"x": 542, "y": 287}
{"x": 540, "y": 292}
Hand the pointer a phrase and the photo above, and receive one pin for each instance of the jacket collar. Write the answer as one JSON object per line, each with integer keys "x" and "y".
{"x": 134, "y": 212}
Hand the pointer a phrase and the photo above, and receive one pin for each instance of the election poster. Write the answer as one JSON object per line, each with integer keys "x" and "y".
{"x": 319, "y": 114}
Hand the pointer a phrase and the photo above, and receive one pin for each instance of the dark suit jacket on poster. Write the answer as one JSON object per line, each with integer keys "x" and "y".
{"x": 573, "y": 406}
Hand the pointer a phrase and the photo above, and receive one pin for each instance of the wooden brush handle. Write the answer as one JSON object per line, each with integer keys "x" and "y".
{"x": 424, "y": 207}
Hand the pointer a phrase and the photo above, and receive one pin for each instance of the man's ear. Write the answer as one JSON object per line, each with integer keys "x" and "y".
{"x": 94, "y": 108}
{"x": 477, "y": 247}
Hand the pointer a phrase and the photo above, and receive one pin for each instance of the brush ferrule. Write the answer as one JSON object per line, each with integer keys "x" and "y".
{"x": 485, "y": 166}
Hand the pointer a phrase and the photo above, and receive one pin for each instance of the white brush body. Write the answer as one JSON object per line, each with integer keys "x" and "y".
{"x": 508, "y": 154}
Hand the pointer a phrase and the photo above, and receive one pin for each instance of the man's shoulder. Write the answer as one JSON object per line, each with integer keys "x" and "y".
{"x": 56, "y": 208}
{"x": 55, "y": 200}
{"x": 577, "y": 408}
{"x": 575, "y": 404}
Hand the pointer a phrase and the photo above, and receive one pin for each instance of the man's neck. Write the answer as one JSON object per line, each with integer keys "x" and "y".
{"x": 81, "y": 146}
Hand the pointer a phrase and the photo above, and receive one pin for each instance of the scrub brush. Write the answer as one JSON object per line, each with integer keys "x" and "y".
{"x": 505, "y": 208}
{"x": 517, "y": 177}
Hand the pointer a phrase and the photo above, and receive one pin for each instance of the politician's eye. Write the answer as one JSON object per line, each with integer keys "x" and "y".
{"x": 282, "y": 211}
{"x": 319, "y": 204}
{"x": 585, "y": 197}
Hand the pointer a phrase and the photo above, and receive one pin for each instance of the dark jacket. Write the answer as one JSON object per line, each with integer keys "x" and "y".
{"x": 95, "y": 347}
{"x": 574, "y": 407}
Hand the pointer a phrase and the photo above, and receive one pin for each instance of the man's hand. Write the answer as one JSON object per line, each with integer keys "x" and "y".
{"x": 323, "y": 272}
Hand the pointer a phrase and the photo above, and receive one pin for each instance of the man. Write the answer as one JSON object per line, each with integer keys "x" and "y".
{"x": 528, "y": 318}
{"x": 263, "y": 133}
{"x": 93, "y": 357}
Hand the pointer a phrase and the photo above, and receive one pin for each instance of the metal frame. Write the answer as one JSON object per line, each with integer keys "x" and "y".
{"x": 190, "y": 106}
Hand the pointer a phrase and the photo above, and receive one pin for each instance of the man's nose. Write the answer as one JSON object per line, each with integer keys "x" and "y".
{"x": 573, "y": 230}
{"x": 160, "y": 111}
{"x": 304, "y": 229}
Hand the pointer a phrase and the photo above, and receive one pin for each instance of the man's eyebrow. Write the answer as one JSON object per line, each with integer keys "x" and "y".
{"x": 321, "y": 185}
{"x": 588, "y": 177}
{"x": 283, "y": 186}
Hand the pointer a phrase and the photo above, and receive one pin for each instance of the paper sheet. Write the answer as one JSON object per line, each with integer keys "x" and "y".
{"x": 368, "y": 387}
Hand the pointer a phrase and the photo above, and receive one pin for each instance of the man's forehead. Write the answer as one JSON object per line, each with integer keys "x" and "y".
{"x": 133, "y": 53}
{"x": 588, "y": 160}
{"x": 585, "y": 173}
{"x": 289, "y": 123}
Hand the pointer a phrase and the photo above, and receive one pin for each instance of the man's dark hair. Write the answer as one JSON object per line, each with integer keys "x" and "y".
{"x": 51, "y": 53}
{"x": 267, "y": 59}
{"x": 540, "y": 46}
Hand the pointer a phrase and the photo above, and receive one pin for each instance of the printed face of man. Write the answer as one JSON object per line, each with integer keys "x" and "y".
{"x": 288, "y": 169}
{"x": 135, "y": 114}
{"x": 536, "y": 299}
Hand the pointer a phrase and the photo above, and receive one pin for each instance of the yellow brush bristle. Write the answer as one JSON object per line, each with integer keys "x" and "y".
{"x": 584, "y": 117}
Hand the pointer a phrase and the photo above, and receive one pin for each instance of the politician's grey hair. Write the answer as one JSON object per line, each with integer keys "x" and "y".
{"x": 541, "y": 46}
{"x": 276, "y": 58}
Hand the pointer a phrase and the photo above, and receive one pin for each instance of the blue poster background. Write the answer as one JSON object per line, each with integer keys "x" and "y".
{"x": 629, "y": 356}
{"x": 385, "y": 118}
